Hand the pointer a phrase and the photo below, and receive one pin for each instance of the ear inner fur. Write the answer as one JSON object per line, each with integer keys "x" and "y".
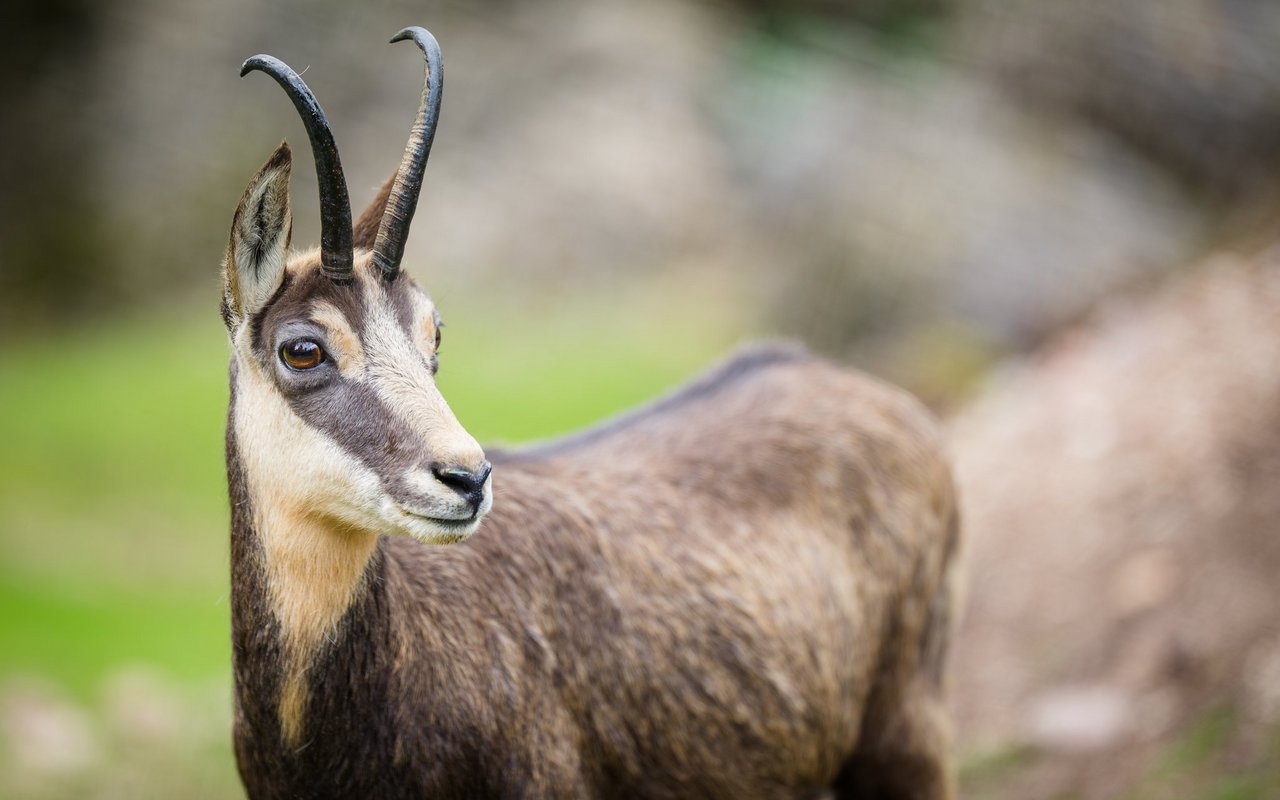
{"x": 260, "y": 233}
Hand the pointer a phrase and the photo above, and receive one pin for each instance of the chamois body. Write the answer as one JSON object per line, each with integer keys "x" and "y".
{"x": 733, "y": 595}
{"x": 743, "y": 591}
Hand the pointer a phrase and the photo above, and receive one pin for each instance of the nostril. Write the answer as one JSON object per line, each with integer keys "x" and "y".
{"x": 465, "y": 482}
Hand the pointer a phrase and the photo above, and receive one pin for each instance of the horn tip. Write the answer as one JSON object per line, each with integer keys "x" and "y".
{"x": 421, "y": 36}
{"x": 252, "y": 63}
{"x": 407, "y": 33}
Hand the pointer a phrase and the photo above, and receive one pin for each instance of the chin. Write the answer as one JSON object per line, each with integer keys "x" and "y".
{"x": 431, "y": 529}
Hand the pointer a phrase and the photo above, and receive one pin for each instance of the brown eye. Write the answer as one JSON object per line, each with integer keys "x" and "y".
{"x": 301, "y": 354}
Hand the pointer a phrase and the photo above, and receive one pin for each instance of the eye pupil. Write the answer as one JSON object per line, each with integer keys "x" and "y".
{"x": 301, "y": 354}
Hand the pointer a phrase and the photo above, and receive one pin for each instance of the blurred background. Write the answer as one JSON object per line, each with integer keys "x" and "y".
{"x": 1053, "y": 221}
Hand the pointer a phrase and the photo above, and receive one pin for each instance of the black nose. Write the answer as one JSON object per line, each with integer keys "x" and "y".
{"x": 466, "y": 483}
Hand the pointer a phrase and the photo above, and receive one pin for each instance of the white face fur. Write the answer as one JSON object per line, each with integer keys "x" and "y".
{"x": 337, "y": 416}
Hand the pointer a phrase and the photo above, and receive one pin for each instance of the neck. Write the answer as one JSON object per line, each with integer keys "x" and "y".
{"x": 300, "y": 587}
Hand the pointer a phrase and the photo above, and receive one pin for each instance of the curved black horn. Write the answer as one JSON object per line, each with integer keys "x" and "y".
{"x": 388, "y": 248}
{"x": 335, "y": 204}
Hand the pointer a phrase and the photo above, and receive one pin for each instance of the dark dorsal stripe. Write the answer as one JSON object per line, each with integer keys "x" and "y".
{"x": 719, "y": 379}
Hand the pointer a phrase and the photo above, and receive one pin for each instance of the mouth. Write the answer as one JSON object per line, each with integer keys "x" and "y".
{"x": 440, "y": 530}
{"x": 454, "y": 524}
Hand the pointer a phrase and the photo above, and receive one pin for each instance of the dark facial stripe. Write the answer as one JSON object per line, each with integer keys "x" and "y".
{"x": 349, "y": 412}
{"x": 354, "y": 416}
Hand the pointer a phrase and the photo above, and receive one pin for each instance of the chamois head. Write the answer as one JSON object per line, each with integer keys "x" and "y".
{"x": 336, "y": 413}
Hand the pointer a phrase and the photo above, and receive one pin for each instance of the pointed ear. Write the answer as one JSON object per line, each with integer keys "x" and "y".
{"x": 366, "y": 228}
{"x": 259, "y": 246}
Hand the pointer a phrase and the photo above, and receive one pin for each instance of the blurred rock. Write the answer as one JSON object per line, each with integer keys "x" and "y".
{"x": 881, "y": 197}
{"x": 875, "y": 10}
{"x": 1262, "y": 681}
{"x": 46, "y": 735}
{"x": 50, "y": 239}
{"x": 141, "y": 704}
{"x": 1144, "y": 580}
{"x": 150, "y": 737}
{"x": 888, "y": 197}
{"x": 1188, "y": 83}
{"x": 1120, "y": 500}
{"x": 1079, "y": 718}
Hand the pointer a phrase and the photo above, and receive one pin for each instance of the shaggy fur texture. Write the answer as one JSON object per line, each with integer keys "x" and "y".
{"x": 744, "y": 591}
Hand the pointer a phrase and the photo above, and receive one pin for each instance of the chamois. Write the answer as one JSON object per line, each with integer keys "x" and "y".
{"x": 744, "y": 590}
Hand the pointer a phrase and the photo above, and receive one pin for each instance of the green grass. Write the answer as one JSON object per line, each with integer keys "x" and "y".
{"x": 980, "y": 770}
{"x": 75, "y": 639}
{"x": 113, "y": 517}
{"x": 1207, "y": 762}
{"x": 112, "y": 510}
{"x": 1219, "y": 756}
{"x": 565, "y": 367}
